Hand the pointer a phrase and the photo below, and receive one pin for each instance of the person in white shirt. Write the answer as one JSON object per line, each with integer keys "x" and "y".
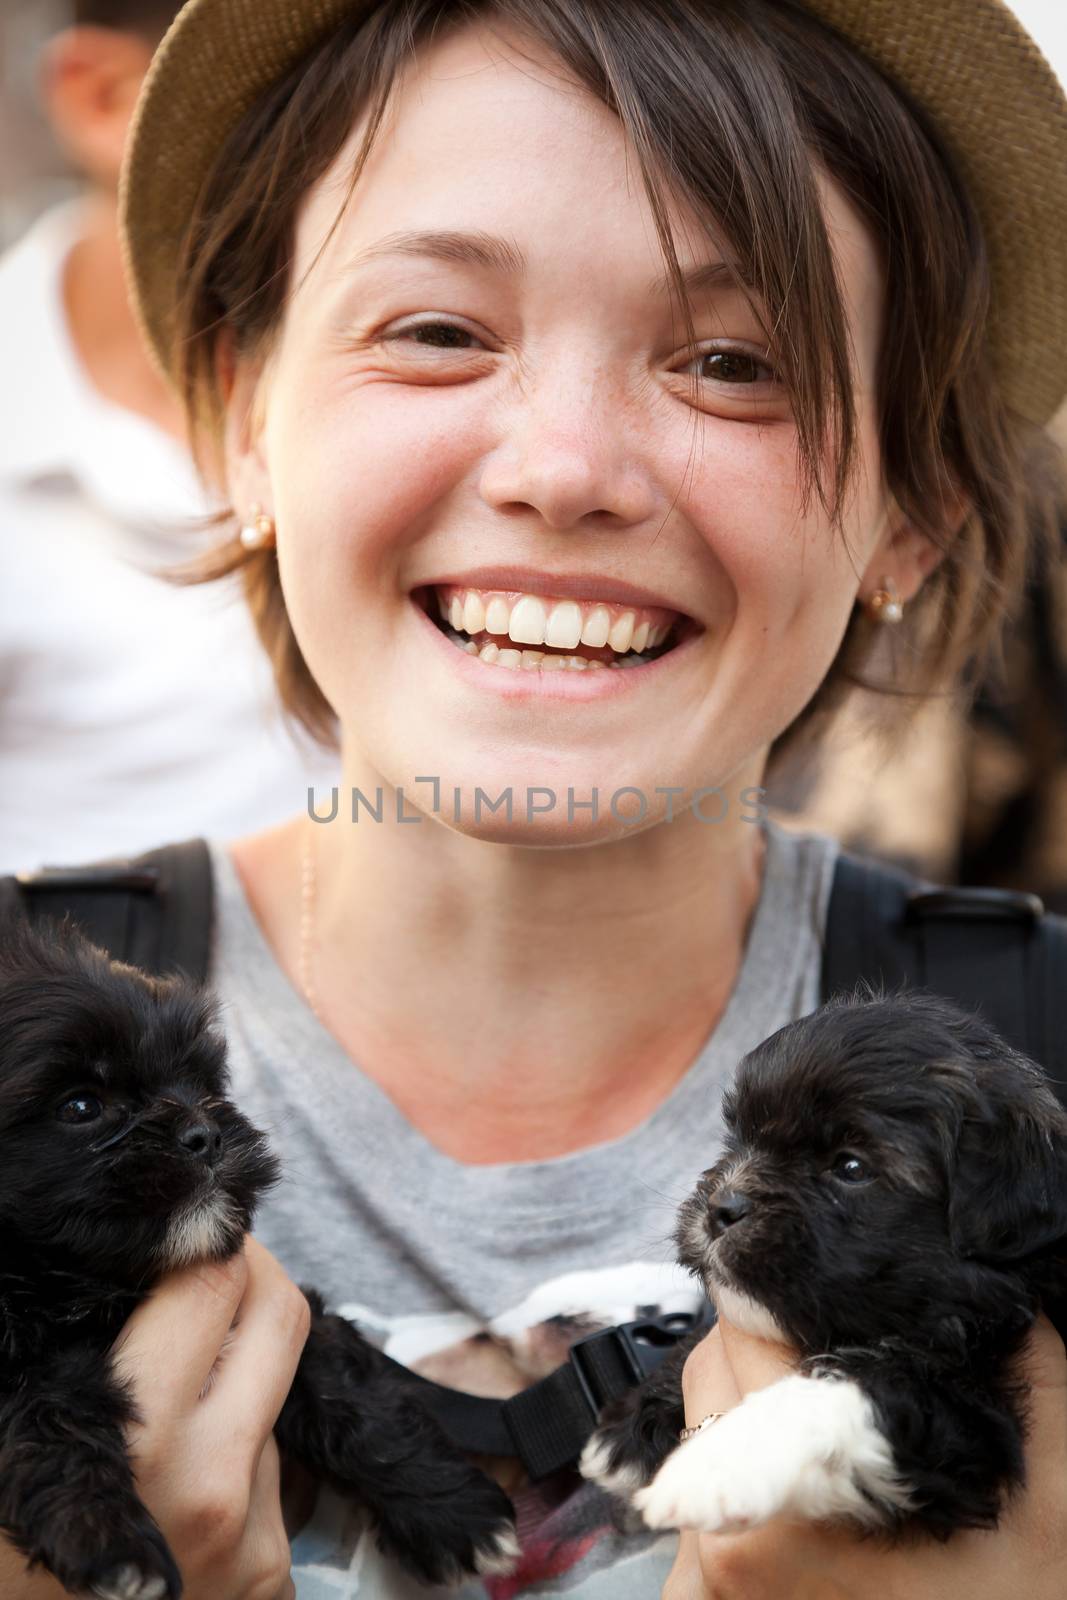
{"x": 132, "y": 711}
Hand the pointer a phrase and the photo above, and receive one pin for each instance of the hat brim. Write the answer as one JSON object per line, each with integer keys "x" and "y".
{"x": 970, "y": 64}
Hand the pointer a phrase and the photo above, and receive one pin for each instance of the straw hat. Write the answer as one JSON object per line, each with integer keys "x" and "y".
{"x": 970, "y": 63}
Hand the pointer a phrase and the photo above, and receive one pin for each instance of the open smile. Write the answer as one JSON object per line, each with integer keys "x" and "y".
{"x": 521, "y": 641}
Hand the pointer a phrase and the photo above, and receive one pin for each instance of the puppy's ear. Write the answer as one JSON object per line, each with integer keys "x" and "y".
{"x": 1009, "y": 1190}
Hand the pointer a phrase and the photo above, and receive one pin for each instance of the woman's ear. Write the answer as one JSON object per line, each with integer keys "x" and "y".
{"x": 242, "y": 386}
{"x": 905, "y": 554}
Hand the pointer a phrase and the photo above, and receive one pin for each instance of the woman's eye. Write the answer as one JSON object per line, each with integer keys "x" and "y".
{"x": 434, "y": 335}
{"x": 81, "y": 1108}
{"x": 736, "y": 368}
{"x": 851, "y": 1168}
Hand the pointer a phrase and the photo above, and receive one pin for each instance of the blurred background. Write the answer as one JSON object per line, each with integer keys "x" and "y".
{"x": 33, "y": 171}
{"x": 132, "y": 713}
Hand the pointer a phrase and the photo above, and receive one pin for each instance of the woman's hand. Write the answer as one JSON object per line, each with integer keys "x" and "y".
{"x": 801, "y": 1561}
{"x": 206, "y": 1463}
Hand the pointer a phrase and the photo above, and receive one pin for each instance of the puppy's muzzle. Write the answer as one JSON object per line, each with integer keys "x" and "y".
{"x": 202, "y": 1140}
{"x": 726, "y": 1210}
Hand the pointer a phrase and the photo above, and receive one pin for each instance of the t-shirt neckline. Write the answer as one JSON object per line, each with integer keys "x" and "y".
{"x": 333, "y": 1076}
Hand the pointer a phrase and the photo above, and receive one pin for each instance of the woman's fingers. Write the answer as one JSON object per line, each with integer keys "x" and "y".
{"x": 205, "y": 1456}
{"x": 685, "y": 1581}
{"x": 725, "y": 1366}
{"x": 754, "y": 1362}
{"x": 266, "y": 1541}
{"x": 260, "y": 1362}
{"x": 764, "y": 1565}
{"x": 176, "y": 1334}
{"x": 708, "y": 1383}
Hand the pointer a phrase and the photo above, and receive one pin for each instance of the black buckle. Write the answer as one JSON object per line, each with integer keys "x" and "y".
{"x": 642, "y": 1344}
{"x": 974, "y": 905}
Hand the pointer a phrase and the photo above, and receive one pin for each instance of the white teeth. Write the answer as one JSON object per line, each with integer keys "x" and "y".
{"x": 564, "y": 626}
{"x": 527, "y": 624}
{"x": 526, "y": 660}
{"x": 597, "y": 627}
{"x": 473, "y": 614}
{"x": 561, "y": 625}
{"x": 621, "y": 634}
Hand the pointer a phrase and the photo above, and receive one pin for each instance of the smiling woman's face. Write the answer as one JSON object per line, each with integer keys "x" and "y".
{"x": 524, "y": 424}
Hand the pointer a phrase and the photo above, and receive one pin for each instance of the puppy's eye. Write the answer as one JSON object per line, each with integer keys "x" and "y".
{"x": 851, "y": 1168}
{"x": 80, "y": 1108}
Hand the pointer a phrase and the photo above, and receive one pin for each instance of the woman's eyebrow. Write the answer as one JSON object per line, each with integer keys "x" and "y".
{"x": 469, "y": 249}
{"x": 500, "y": 255}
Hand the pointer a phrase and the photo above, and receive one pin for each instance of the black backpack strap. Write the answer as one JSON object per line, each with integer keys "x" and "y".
{"x": 996, "y": 951}
{"x": 548, "y": 1424}
{"x": 153, "y": 911}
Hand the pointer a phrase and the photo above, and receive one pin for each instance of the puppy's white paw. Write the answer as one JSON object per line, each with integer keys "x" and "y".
{"x": 498, "y": 1556}
{"x": 595, "y": 1466}
{"x": 809, "y": 1447}
{"x": 128, "y": 1582}
{"x": 699, "y": 1487}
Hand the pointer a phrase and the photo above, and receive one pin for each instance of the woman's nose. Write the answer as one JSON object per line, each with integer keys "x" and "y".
{"x": 566, "y": 455}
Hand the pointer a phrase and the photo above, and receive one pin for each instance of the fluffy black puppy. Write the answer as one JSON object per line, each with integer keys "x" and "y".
{"x": 892, "y": 1202}
{"x": 120, "y": 1158}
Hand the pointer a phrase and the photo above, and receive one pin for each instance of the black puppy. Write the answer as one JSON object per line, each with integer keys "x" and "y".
{"x": 892, "y": 1202}
{"x": 120, "y": 1158}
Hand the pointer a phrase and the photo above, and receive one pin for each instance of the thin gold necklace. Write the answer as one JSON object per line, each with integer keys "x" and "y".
{"x": 308, "y": 888}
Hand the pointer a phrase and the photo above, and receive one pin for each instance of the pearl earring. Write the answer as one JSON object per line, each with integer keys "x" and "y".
{"x": 885, "y": 604}
{"x": 258, "y": 532}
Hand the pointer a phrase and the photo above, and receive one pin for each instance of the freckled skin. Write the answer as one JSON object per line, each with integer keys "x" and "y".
{"x": 564, "y": 408}
{"x": 558, "y": 430}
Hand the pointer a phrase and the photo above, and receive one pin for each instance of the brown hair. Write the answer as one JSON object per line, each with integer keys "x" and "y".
{"x": 734, "y": 105}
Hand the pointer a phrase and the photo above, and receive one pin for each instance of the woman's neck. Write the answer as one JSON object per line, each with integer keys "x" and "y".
{"x": 516, "y": 1003}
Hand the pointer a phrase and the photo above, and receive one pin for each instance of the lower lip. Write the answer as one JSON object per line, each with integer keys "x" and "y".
{"x": 565, "y": 683}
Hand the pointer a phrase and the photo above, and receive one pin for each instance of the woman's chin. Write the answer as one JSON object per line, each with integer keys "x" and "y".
{"x": 517, "y": 802}
{"x": 551, "y": 832}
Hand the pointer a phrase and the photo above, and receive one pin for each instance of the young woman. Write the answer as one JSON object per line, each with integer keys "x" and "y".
{"x": 529, "y": 339}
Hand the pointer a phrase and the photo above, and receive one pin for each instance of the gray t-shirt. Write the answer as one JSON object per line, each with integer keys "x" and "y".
{"x": 482, "y": 1276}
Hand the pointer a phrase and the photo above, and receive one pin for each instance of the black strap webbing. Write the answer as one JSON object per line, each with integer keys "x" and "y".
{"x": 995, "y": 951}
{"x": 154, "y": 911}
{"x": 548, "y": 1424}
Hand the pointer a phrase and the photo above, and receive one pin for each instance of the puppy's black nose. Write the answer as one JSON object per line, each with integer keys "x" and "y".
{"x": 728, "y": 1209}
{"x": 202, "y": 1140}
